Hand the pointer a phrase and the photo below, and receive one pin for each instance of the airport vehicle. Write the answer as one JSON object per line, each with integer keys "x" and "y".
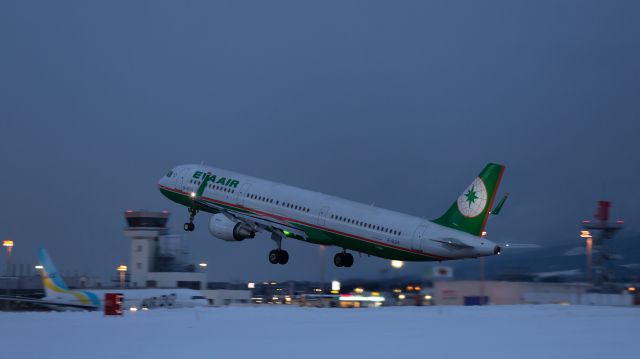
{"x": 243, "y": 206}
{"x": 59, "y": 296}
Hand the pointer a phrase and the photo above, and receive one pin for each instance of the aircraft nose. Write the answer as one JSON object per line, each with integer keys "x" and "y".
{"x": 168, "y": 179}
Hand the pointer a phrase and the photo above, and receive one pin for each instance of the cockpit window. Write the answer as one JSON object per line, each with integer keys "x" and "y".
{"x": 170, "y": 174}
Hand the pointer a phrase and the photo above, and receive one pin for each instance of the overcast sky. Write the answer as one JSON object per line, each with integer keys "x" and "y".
{"x": 400, "y": 103}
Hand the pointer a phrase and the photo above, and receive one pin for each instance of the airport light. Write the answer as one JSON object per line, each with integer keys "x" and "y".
{"x": 401, "y": 296}
{"x": 122, "y": 269}
{"x": 359, "y": 290}
{"x": 8, "y": 244}
{"x": 427, "y": 297}
{"x": 397, "y": 264}
{"x": 631, "y": 289}
{"x": 251, "y": 285}
{"x": 335, "y": 285}
{"x": 203, "y": 265}
{"x": 589, "y": 251}
{"x": 38, "y": 267}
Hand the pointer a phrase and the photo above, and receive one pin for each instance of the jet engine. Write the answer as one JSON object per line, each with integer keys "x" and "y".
{"x": 228, "y": 230}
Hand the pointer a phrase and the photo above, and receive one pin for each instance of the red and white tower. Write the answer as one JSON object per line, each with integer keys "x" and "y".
{"x": 597, "y": 234}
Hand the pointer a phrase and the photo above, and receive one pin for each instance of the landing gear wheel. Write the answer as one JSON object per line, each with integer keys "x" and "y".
{"x": 274, "y": 257}
{"x": 338, "y": 260}
{"x": 278, "y": 256}
{"x": 348, "y": 260}
{"x": 283, "y": 257}
{"x": 343, "y": 259}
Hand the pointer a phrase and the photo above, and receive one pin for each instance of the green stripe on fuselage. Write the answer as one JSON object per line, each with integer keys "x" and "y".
{"x": 317, "y": 235}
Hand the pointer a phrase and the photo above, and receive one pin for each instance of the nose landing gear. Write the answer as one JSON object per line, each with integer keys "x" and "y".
{"x": 189, "y": 226}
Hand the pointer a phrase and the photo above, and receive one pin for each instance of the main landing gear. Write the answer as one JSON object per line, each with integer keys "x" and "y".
{"x": 189, "y": 226}
{"x": 343, "y": 259}
{"x": 278, "y": 256}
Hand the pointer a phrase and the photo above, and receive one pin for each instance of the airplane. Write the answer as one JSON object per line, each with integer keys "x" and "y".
{"x": 243, "y": 206}
{"x": 59, "y": 296}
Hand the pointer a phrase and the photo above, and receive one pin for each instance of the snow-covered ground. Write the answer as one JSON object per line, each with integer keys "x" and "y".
{"x": 543, "y": 331}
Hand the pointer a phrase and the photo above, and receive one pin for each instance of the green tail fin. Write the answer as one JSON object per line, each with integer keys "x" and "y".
{"x": 470, "y": 211}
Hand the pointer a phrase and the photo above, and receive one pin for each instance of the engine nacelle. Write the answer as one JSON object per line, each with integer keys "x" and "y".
{"x": 228, "y": 230}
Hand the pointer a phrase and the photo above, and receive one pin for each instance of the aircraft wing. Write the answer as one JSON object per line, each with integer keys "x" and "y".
{"x": 46, "y": 303}
{"x": 255, "y": 221}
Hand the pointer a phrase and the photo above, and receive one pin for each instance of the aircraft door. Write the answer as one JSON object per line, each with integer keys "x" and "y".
{"x": 244, "y": 189}
{"x": 322, "y": 217}
{"x": 182, "y": 183}
{"x": 418, "y": 238}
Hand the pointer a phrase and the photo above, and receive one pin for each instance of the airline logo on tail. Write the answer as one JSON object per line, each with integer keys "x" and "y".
{"x": 54, "y": 286}
{"x": 470, "y": 211}
{"x": 473, "y": 200}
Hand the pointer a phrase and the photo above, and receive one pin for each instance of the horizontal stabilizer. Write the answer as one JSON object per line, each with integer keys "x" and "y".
{"x": 453, "y": 242}
{"x": 519, "y": 245}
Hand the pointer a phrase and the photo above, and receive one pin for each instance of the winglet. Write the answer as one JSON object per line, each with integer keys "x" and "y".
{"x": 496, "y": 210}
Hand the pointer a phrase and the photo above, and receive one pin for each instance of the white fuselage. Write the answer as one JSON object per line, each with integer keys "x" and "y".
{"x": 135, "y": 298}
{"x": 328, "y": 219}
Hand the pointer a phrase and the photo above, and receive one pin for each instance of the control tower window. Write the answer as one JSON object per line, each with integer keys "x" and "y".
{"x": 170, "y": 174}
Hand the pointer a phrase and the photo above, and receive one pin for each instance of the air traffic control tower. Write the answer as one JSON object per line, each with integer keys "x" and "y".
{"x": 158, "y": 259}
